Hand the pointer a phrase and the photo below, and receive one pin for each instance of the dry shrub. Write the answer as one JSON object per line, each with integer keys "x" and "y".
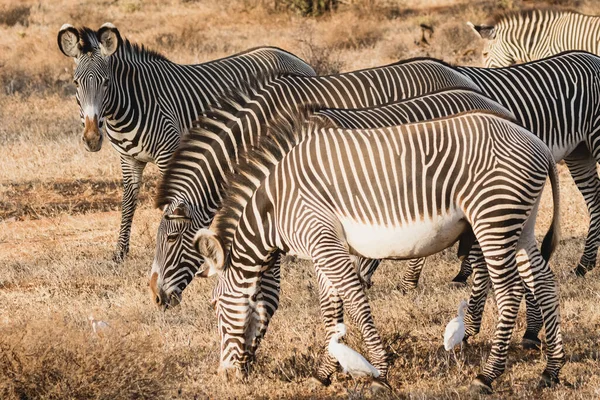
{"x": 357, "y": 35}
{"x": 324, "y": 60}
{"x": 13, "y": 15}
{"x": 54, "y": 359}
{"x": 307, "y": 7}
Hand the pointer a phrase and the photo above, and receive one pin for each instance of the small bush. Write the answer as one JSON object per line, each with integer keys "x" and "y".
{"x": 15, "y": 15}
{"x": 323, "y": 59}
{"x": 308, "y": 7}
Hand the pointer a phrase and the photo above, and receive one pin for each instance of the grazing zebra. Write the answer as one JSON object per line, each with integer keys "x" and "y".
{"x": 531, "y": 35}
{"x": 398, "y": 192}
{"x": 147, "y": 101}
{"x": 189, "y": 193}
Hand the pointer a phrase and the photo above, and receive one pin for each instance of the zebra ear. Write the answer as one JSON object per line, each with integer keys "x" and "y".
{"x": 68, "y": 41}
{"x": 485, "y": 31}
{"x": 209, "y": 246}
{"x": 109, "y": 38}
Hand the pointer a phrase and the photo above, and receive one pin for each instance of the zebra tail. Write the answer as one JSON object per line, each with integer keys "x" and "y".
{"x": 553, "y": 235}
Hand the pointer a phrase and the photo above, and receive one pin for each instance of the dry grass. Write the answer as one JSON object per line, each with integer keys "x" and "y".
{"x": 58, "y": 224}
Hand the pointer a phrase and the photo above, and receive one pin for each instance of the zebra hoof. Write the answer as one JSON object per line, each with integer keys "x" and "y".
{"x": 460, "y": 278}
{"x": 581, "y": 270}
{"x": 380, "y": 385}
{"x": 531, "y": 342}
{"x": 480, "y": 385}
{"x": 548, "y": 381}
{"x": 119, "y": 255}
{"x": 326, "y": 381}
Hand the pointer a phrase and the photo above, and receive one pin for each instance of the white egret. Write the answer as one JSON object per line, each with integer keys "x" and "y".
{"x": 351, "y": 361}
{"x": 455, "y": 330}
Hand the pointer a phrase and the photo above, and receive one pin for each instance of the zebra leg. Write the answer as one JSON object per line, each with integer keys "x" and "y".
{"x": 267, "y": 302}
{"x": 479, "y": 291}
{"x": 411, "y": 276}
{"x": 508, "y": 288}
{"x": 539, "y": 279}
{"x": 132, "y": 170}
{"x": 332, "y": 312}
{"x": 583, "y": 170}
{"x": 466, "y": 266}
{"x": 332, "y": 258}
{"x": 366, "y": 268}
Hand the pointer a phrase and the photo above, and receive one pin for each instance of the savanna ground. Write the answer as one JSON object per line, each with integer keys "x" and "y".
{"x": 59, "y": 220}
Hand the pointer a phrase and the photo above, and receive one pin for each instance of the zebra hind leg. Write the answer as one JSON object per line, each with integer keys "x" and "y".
{"x": 583, "y": 170}
{"x": 477, "y": 299}
{"x": 540, "y": 280}
{"x": 509, "y": 290}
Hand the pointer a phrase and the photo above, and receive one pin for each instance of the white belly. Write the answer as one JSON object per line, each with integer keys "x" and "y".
{"x": 418, "y": 239}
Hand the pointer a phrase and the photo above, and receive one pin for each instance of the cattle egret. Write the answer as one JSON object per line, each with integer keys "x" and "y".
{"x": 455, "y": 330}
{"x": 351, "y": 361}
{"x": 97, "y": 326}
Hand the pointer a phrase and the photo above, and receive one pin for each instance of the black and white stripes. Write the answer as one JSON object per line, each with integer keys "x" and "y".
{"x": 147, "y": 102}
{"x": 520, "y": 37}
{"x": 395, "y": 192}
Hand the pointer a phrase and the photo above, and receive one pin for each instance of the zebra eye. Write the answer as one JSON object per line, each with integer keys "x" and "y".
{"x": 76, "y": 82}
{"x": 172, "y": 237}
{"x": 105, "y": 83}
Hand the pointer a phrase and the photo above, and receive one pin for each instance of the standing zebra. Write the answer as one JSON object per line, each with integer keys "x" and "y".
{"x": 189, "y": 193}
{"x": 148, "y": 102}
{"x": 398, "y": 192}
{"x": 557, "y": 99}
{"x": 525, "y": 36}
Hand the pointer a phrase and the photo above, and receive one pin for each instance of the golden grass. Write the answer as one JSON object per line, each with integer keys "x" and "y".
{"x": 59, "y": 224}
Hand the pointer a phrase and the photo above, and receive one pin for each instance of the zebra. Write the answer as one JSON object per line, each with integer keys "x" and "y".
{"x": 397, "y": 192}
{"x": 147, "y": 102}
{"x": 190, "y": 191}
{"x": 557, "y": 99}
{"x": 525, "y": 36}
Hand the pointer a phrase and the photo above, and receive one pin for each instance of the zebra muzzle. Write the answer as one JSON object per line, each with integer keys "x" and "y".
{"x": 92, "y": 136}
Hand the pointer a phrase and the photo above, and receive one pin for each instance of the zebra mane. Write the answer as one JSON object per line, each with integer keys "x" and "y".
{"x": 257, "y": 163}
{"x": 205, "y": 130}
{"x": 89, "y": 42}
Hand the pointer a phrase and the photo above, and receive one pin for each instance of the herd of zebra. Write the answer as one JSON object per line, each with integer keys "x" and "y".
{"x": 260, "y": 157}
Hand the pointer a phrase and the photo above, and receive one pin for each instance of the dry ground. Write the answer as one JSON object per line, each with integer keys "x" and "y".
{"x": 59, "y": 220}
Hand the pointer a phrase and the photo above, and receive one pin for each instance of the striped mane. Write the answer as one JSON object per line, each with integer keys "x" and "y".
{"x": 89, "y": 42}
{"x": 207, "y": 132}
{"x": 256, "y": 165}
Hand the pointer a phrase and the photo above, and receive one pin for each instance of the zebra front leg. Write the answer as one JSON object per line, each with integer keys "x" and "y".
{"x": 132, "y": 170}
{"x": 411, "y": 276}
{"x": 332, "y": 313}
{"x": 267, "y": 303}
{"x": 539, "y": 279}
{"x": 335, "y": 263}
{"x": 583, "y": 170}
{"x": 366, "y": 268}
{"x": 466, "y": 266}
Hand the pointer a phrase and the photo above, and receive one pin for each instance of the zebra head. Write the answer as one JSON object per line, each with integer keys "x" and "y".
{"x": 91, "y": 52}
{"x": 235, "y": 298}
{"x": 498, "y": 52}
{"x": 176, "y": 262}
